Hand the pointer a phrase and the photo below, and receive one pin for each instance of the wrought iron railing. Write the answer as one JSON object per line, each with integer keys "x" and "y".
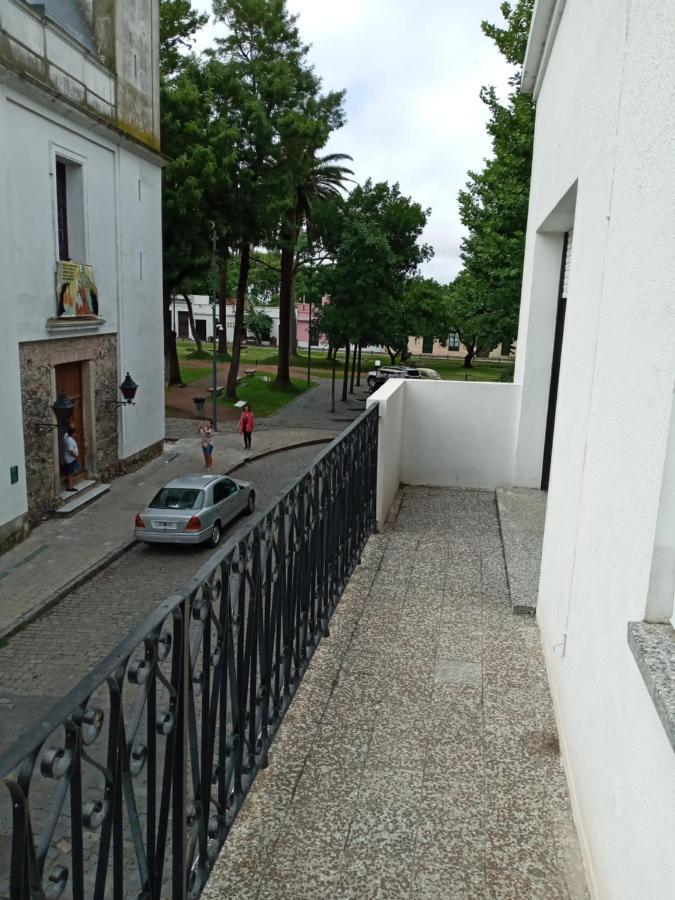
{"x": 129, "y": 786}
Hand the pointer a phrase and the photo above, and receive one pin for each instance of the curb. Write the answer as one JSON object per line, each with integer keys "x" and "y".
{"x": 97, "y": 567}
{"x": 264, "y": 453}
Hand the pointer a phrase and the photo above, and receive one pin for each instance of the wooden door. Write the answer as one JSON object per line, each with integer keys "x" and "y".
{"x": 69, "y": 380}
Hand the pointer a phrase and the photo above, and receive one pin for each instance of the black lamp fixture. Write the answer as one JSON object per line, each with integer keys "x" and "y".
{"x": 62, "y": 408}
{"x": 128, "y": 390}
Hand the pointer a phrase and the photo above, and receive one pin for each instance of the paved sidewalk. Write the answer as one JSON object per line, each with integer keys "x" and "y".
{"x": 309, "y": 410}
{"x": 420, "y": 757}
{"x": 60, "y": 552}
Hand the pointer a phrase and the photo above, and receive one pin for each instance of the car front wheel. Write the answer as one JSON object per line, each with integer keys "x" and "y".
{"x": 214, "y": 537}
{"x": 250, "y": 506}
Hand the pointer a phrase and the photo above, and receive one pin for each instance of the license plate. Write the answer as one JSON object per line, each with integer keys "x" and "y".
{"x": 165, "y": 526}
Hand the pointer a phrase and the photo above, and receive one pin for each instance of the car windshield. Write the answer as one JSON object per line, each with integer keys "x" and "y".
{"x": 178, "y": 498}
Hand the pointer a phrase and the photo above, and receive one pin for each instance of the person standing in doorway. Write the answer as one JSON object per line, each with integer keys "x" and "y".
{"x": 71, "y": 457}
{"x": 246, "y": 425}
{"x": 206, "y": 435}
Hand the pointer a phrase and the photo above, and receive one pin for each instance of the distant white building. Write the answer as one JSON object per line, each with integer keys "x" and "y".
{"x": 80, "y": 243}
{"x": 589, "y": 423}
{"x": 202, "y": 312}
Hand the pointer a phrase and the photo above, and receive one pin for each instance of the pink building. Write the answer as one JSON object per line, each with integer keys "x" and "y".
{"x": 302, "y": 314}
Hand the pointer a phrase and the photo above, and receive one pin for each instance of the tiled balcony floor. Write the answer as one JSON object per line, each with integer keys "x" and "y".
{"x": 420, "y": 756}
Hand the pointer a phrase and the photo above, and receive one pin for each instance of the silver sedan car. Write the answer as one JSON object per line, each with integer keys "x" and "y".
{"x": 193, "y": 509}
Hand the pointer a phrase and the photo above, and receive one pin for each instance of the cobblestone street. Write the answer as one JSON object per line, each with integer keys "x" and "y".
{"x": 46, "y": 659}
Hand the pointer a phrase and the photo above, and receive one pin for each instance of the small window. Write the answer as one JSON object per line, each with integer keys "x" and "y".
{"x": 427, "y": 345}
{"x": 177, "y": 498}
{"x": 70, "y": 210}
{"x": 453, "y": 341}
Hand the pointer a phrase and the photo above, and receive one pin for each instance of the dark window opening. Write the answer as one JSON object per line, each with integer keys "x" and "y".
{"x": 183, "y": 324}
{"x": 62, "y": 209}
{"x": 453, "y": 341}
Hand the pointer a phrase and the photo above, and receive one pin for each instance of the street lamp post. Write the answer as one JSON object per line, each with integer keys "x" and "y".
{"x": 214, "y": 361}
{"x": 309, "y": 345}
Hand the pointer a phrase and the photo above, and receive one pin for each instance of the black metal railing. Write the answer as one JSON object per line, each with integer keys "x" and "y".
{"x": 130, "y": 784}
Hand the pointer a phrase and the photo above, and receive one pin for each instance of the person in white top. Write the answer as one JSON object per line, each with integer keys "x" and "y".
{"x": 71, "y": 454}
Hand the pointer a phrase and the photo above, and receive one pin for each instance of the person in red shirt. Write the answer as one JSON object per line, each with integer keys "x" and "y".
{"x": 246, "y": 425}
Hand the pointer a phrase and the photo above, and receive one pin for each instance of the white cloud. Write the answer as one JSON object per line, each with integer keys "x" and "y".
{"x": 412, "y": 74}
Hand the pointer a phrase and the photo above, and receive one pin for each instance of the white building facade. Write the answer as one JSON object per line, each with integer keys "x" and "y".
{"x": 202, "y": 312}
{"x": 582, "y": 422}
{"x": 80, "y": 243}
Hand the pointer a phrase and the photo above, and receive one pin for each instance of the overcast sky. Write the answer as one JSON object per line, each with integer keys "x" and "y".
{"x": 412, "y": 74}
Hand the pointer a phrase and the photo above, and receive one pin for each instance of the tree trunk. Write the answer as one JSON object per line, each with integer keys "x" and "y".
{"x": 191, "y": 319}
{"x": 332, "y": 387}
{"x": 288, "y": 242}
{"x": 171, "y": 365}
{"x": 358, "y": 371}
{"x": 294, "y": 321}
{"x": 244, "y": 266}
{"x": 222, "y": 302}
{"x": 345, "y": 373}
{"x": 351, "y": 386}
{"x": 471, "y": 350}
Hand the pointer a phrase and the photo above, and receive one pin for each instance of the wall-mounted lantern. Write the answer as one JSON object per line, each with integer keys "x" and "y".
{"x": 128, "y": 390}
{"x": 62, "y": 409}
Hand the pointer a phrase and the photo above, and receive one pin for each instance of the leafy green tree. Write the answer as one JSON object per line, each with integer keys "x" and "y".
{"x": 318, "y": 179}
{"x": 373, "y": 239}
{"x": 422, "y": 310}
{"x": 258, "y": 323}
{"x": 178, "y": 23}
{"x": 184, "y": 125}
{"x": 493, "y": 207}
{"x": 265, "y": 92}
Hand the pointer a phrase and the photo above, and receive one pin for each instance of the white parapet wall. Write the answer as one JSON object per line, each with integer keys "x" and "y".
{"x": 444, "y": 434}
{"x": 391, "y": 401}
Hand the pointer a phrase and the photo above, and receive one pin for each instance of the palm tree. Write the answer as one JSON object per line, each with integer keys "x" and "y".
{"x": 324, "y": 177}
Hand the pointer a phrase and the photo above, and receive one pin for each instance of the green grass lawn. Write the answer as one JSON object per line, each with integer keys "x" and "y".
{"x": 263, "y": 397}
{"x": 190, "y": 374}
{"x": 448, "y": 369}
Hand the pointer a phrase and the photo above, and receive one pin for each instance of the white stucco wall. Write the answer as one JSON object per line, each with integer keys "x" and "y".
{"x": 13, "y": 497}
{"x": 122, "y": 225}
{"x": 605, "y": 121}
{"x": 391, "y": 401}
{"x": 140, "y": 338}
{"x": 459, "y": 434}
{"x": 444, "y": 434}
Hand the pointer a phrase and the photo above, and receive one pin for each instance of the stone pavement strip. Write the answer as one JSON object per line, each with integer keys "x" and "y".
{"x": 60, "y": 552}
{"x": 420, "y": 757}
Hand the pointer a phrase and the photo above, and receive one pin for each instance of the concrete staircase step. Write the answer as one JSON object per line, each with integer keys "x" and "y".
{"x": 80, "y": 486}
{"x": 77, "y": 500}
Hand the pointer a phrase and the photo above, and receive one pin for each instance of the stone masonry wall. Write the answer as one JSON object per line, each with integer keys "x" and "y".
{"x": 37, "y": 360}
